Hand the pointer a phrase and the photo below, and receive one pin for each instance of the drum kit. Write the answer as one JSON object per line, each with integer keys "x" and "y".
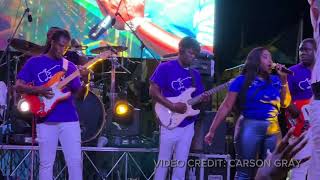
{"x": 91, "y": 111}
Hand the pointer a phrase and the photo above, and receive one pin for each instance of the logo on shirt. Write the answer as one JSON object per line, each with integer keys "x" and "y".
{"x": 46, "y": 74}
{"x": 179, "y": 85}
{"x": 305, "y": 84}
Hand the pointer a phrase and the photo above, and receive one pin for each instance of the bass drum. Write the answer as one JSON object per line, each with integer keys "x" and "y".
{"x": 91, "y": 115}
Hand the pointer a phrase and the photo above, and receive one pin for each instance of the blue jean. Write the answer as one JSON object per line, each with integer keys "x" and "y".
{"x": 251, "y": 143}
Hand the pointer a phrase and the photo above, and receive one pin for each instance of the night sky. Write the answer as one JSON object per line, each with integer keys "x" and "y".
{"x": 258, "y": 23}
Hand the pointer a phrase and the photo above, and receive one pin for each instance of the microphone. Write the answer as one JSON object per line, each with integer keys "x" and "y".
{"x": 28, "y": 10}
{"x": 100, "y": 28}
{"x": 205, "y": 55}
{"x": 283, "y": 69}
{"x": 29, "y": 16}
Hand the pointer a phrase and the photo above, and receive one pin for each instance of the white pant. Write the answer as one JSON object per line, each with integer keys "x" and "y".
{"x": 69, "y": 136}
{"x": 314, "y": 172}
{"x": 177, "y": 140}
{"x": 300, "y": 172}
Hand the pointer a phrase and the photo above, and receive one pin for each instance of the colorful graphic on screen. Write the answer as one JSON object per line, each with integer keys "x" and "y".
{"x": 160, "y": 24}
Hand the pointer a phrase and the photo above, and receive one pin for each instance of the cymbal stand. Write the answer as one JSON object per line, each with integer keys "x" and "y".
{"x": 114, "y": 65}
{"x": 112, "y": 94}
{"x": 7, "y": 54}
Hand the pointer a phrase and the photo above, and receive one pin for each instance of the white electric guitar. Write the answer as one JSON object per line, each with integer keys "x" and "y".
{"x": 170, "y": 119}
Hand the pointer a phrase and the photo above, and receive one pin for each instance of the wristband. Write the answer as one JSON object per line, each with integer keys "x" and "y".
{"x": 135, "y": 22}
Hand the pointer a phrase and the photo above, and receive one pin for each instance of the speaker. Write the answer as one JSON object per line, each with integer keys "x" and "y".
{"x": 202, "y": 126}
{"x": 117, "y": 129}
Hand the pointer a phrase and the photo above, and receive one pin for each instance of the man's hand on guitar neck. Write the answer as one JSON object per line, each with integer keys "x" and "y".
{"x": 205, "y": 97}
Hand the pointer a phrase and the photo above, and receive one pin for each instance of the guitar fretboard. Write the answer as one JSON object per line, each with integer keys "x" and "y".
{"x": 76, "y": 73}
{"x": 196, "y": 99}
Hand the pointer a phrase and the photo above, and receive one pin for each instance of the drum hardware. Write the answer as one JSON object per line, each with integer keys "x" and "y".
{"x": 21, "y": 45}
{"x": 109, "y": 72}
{"x": 112, "y": 94}
{"x": 101, "y": 49}
{"x": 26, "y": 47}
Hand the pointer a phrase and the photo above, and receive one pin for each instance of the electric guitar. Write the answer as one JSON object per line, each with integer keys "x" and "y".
{"x": 301, "y": 123}
{"x": 170, "y": 119}
{"x": 41, "y": 106}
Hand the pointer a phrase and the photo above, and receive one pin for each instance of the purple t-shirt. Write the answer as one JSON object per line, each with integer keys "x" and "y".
{"x": 300, "y": 82}
{"x": 173, "y": 79}
{"x": 38, "y": 71}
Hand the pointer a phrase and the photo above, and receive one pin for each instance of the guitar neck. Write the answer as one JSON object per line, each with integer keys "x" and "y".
{"x": 212, "y": 91}
{"x": 66, "y": 80}
{"x": 76, "y": 73}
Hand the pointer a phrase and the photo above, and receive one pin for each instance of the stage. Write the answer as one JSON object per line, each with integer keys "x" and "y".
{"x": 16, "y": 162}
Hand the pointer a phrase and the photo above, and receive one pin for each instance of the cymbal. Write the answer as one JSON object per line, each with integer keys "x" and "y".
{"x": 26, "y": 46}
{"x": 108, "y": 48}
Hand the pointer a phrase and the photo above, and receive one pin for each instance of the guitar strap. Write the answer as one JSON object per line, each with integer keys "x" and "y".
{"x": 193, "y": 83}
{"x": 65, "y": 65}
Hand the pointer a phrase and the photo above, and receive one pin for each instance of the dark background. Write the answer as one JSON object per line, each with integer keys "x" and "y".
{"x": 244, "y": 24}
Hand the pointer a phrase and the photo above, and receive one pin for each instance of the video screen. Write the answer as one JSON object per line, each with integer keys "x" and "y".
{"x": 159, "y": 24}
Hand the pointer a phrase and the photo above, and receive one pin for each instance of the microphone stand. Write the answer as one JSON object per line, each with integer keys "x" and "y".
{"x": 8, "y": 62}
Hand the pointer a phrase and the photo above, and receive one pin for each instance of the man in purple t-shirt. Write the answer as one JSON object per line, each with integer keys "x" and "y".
{"x": 62, "y": 122}
{"x": 300, "y": 90}
{"x": 170, "y": 79}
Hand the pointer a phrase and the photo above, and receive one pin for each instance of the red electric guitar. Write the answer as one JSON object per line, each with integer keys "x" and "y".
{"x": 301, "y": 123}
{"x": 41, "y": 106}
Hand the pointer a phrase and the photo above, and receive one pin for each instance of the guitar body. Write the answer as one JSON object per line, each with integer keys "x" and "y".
{"x": 301, "y": 122}
{"x": 171, "y": 119}
{"x": 40, "y": 105}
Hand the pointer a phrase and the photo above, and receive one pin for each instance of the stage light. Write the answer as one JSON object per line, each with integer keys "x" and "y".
{"x": 122, "y": 109}
{"x": 23, "y": 106}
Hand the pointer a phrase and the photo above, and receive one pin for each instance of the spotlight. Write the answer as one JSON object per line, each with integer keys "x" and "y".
{"x": 122, "y": 108}
{"x": 123, "y": 111}
{"x": 23, "y": 106}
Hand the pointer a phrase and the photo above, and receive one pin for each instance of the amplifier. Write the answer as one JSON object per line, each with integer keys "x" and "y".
{"x": 202, "y": 126}
{"x": 204, "y": 66}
